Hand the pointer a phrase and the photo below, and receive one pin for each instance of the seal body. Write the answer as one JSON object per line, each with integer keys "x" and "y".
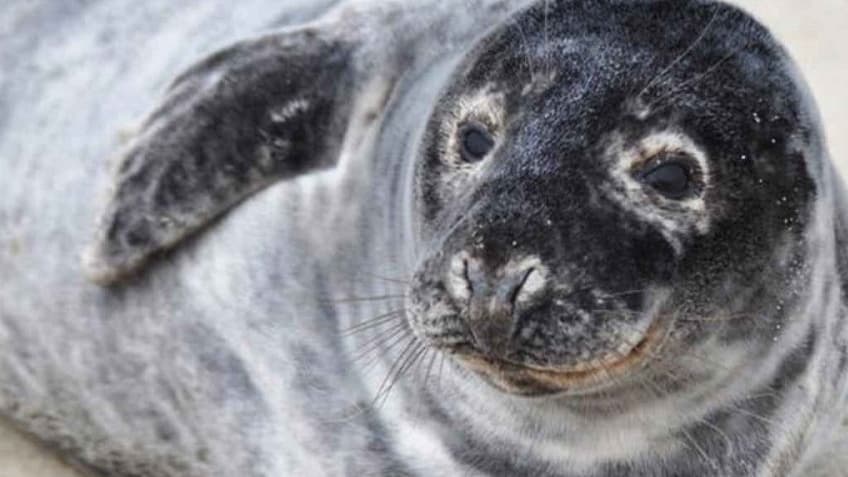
{"x": 586, "y": 239}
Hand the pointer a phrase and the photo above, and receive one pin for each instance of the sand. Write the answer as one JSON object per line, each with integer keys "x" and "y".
{"x": 812, "y": 30}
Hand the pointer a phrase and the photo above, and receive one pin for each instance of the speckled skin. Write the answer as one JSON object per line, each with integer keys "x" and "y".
{"x": 221, "y": 346}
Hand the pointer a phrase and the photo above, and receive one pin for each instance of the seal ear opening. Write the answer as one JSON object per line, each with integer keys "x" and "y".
{"x": 252, "y": 114}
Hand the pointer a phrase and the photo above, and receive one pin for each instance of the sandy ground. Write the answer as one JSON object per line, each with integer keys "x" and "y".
{"x": 812, "y": 30}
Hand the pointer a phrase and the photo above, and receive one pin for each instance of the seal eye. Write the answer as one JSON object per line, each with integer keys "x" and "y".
{"x": 671, "y": 179}
{"x": 475, "y": 143}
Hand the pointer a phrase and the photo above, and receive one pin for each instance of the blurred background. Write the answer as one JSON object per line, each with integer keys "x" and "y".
{"x": 815, "y": 32}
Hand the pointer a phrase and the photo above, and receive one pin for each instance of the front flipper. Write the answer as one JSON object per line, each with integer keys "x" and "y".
{"x": 247, "y": 116}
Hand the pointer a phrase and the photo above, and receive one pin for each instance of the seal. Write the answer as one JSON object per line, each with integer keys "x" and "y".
{"x": 594, "y": 238}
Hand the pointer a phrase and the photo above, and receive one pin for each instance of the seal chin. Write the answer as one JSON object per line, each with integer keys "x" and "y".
{"x": 591, "y": 377}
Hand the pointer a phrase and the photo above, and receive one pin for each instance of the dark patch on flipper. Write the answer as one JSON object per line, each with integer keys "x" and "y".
{"x": 241, "y": 119}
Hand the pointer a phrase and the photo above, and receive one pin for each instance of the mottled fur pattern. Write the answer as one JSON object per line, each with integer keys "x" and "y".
{"x": 348, "y": 316}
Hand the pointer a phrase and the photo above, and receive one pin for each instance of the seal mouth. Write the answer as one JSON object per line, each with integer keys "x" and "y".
{"x": 581, "y": 379}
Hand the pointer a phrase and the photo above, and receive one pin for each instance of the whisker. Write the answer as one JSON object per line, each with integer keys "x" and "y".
{"x": 419, "y": 366}
{"x": 525, "y": 46}
{"x": 408, "y": 362}
{"x": 361, "y": 328}
{"x": 379, "y": 342}
{"x": 414, "y": 364}
{"x": 373, "y": 322}
{"x": 624, "y": 293}
{"x": 771, "y": 395}
{"x": 385, "y": 278}
{"x": 736, "y": 407}
{"x": 367, "y": 366}
{"x": 728, "y": 441}
{"x": 685, "y": 319}
{"x": 761, "y": 418}
{"x": 401, "y": 358}
{"x": 734, "y": 317}
{"x": 700, "y": 450}
{"x": 694, "y": 80}
{"x": 615, "y": 380}
{"x": 362, "y": 299}
{"x": 683, "y": 55}
{"x": 690, "y": 354}
{"x": 374, "y": 343}
{"x": 441, "y": 367}
{"x": 435, "y": 354}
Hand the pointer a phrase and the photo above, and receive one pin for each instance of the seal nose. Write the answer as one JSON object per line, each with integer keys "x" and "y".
{"x": 493, "y": 296}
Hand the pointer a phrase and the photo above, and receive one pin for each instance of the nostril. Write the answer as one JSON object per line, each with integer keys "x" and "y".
{"x": 465, "y": 276}
{"x": 510, "y": 286}
{"x": 533, "y": 282}
{"x": 513, "y": 298}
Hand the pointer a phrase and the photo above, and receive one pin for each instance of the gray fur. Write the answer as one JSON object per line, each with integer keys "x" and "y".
{"x": 233, "y": 354}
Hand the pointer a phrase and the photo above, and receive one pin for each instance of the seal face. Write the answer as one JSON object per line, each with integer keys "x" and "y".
{"x": 621, "y": 209}
{"x": 622, "y": 198}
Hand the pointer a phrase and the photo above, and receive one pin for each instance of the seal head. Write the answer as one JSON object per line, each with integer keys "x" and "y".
{"x": 602, "y": 197}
